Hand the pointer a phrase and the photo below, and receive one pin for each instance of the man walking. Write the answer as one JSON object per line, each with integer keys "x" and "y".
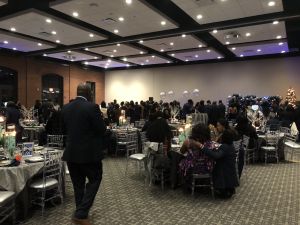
{"x": 84, "y": 126}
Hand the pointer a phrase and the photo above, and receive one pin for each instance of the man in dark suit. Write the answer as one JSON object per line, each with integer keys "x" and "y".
{"x": 84, "y": 126}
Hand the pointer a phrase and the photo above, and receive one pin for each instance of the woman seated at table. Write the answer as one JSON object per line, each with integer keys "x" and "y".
{"x": 196, "y": 161}
{"x": 224, "y": 172}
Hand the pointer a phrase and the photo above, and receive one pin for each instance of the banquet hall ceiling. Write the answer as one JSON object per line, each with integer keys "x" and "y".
{"x": 119, "y": 34}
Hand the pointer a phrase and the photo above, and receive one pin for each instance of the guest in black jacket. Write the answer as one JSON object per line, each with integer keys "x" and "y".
{"x": 224, "y": 173}
{"x": 85, "y": 129}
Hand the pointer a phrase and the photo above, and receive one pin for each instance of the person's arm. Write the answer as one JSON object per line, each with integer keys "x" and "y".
{"x": 97, "y": 121}
{"x": 215, "y": 154}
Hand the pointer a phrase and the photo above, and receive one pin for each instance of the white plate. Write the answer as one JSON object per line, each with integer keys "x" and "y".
{"x": 35, "y": 159}
{"x": 5, "y": 162}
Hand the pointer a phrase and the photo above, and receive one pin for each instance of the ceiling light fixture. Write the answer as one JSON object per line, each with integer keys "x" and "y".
{"x": 227, "y": 43}
{"x": 215, "y": 31}
{"x": 271, "y": 3}
{"x": 86, "y": 49}
{"x": 116, "y": 31}
{"x": 57, "y": 41}
{"x": 125, "y": 59}
{"x": 14, "y": 49}
{"x": 128, "y": 2}
{"x": 53, "y": 32}
{"x": 48, "y": 20}
{"x": 168, "y": 61}
{"x": 141, "y": 41}
{"x": 44, "y": 54}
{"x": 141, "y": 52}
{"x": 153, "y": 56}
{"x": 118, "y": 45}
{"x": 199, "y": 16}
{"x": 173, "y": 54}
{"x": 248, "y": 34}
{"x": 75, "y": 14}
{"x": 39, "y": 44}
{"x": 86, "y": 63}
{"x": 162, "y": 50}
{"x": 279, "y": 37}
{"x": 282, "y": 51}
{"x": 69, "y": 51}
{"x": 196, "y": 56}
{"x": 258, "y": 50}
{"x": 183, "y": 35}
{"x": 111, "y": 56}
{"x": 233, "y": 48}
{"x": 172, "y": 43}
{"x": 186, "y": 60}
{"x": 114, "y": 50}
{"x": 95, "y": 57}
{"x": 219, "y": 57}
{"x": 109, "y": 60}
{"x": 200, "y": 46}
{"x": 142, "y": 64}
{"x": 241, "y": 55}
{"x": 91, "y": 35}
{"x": 281, "y": 43}
{"x": 163, "y": 23}
{"x": 208, "y": 51}
{"x": 127, "y": 65}
{"x": 5, "y": 42}
{"x": 13, "y": 29}
{"x": 276, "y": 22}
{"x": 121, "y": 19}
{"x": 147, "y": 60}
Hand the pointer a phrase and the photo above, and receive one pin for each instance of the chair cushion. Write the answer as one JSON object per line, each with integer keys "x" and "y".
{"x": 268, "y": 148}
{"x": 292, "y": 144}
{"x": 6, "y": 196}
{"x": 138, "y": 156}
{"x": 39, "y": 184}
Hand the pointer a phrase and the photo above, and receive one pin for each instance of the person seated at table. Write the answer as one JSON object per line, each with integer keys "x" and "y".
{"x": 196, "y": 161}
{"x": 224, "y": 172}
{"x": 13, "y": 116}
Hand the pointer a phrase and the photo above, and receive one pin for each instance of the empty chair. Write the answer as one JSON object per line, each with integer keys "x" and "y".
{"x": 291, "y": 148}
{"x": 249, "y": 152}
{"x": 7, "y": 206}
{"x": 270, "y": 150}
{"x": 51, "y": 180}
{"x": 127, "y": 141}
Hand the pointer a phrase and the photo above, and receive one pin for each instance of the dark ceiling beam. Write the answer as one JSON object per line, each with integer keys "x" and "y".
{"x": 292, "y": 27}
{"x": 229, "y": 24}
{"x": 181, "y": 18}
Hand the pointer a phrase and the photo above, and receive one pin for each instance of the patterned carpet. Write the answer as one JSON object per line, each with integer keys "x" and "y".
{"x": 269, "y": 195}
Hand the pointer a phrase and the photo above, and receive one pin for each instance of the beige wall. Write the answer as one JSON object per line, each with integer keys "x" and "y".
{"x": 214, "y": 81}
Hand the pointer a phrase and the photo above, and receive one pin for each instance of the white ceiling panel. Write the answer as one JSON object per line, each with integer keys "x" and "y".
{"x": 174, "y": 43}
{"x": 260, "y": 49}
{"x": 117, "y": 50}
{"x": 137, "y": 17}
{"x": 108, "y": 64}
{"x": 252, "y": 33}
{"x": 209, "y": 11}
{"x": 148, "y": 60}
{"x": 196, "y": 55}
{"x": 20, "y": 44}
{"x": 34, "y": 23}
{"x": 3, "y": 2}
{"x": 71, "y": 56}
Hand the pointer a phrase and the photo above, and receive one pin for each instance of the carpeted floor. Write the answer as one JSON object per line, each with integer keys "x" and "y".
{"x": 269, "y": 195}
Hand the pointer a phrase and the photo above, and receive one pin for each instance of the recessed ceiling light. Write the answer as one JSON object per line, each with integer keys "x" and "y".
{"x": 162, "y": 50}
{"x": 282, "y": 51}
{"x": 5, "y": 42}
{"x": 281, "y": 43}
{"x": 153, "y": 56}
{"x": 13, "y": 29}
{"x": 121, "y": 19}
{"x": 279, "y": 37}
{"x": 233, "y": 48}
{"x": 69, "y": 51}
{"x": 186, "y": 60}
{"x": 208, "y": 50}
{"x": 86, "y": 49}
{"x": 271, "y": 3}
{"x": 141, "y": 52}
{"x": 72, "y": 60}
{"x": 53, "y": 32}
{"x": 200, "y": 46}
{"x": 163, "y": 23}
{"x": 125, "y": 59}
{"x": 199, "y": 16}
{"x": 127, "y": 65}
{"x": 227, "y": 43}
{"x": 91, "y": 35}
{"x": 111, "y": 56}
{"x": 128, "y": 2}
{"x": 215, "y": 31}
{"x": 48, "y": 20}
{"x": 196, "y": 56}
{"x": 115, "y": 50}
{"x": 173, "y": 54}
{"x": 183, "y": 35}
{"x": 168, "y": 61}
{"x": 118, "y": 45}
{"x": 248, "y": 34}
{"x": 258, "y": 50}
{"x": 39, "y": 44}
{"x": 116, "y": 31}
{"x": 95, "y": 57}
{"x": 142, "y": 64}
{"x": 241, "y": 55}
{"x": 86, "y": 63}
{"x": 57, "y": 41}
{"x": 141, "y": 41}
{"x": 44, "y": 54}
{"x": 147, "y": 60}
{"x": 219, "y": 57}
{"x": 105, "y": 67}
{"x": 172, "y": 43}
{"x": 75, "y": 14}
{"x": 109, "y": 60}
{"x": 14, "y": 49}
{"x": 276, "y": 22}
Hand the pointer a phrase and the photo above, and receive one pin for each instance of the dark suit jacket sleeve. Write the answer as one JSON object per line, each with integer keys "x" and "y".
{"x": 97, "y": 121}
{"x": 220, "y": 153}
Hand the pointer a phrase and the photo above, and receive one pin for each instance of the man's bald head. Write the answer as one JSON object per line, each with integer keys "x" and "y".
{"x": 84, "y": 90}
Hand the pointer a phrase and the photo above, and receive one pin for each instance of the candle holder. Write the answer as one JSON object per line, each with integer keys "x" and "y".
{"x": 10, "y": 141}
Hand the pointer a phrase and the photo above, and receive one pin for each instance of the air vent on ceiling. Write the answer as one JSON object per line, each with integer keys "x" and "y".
{"x": 203, "y": 3}
{"x": 233, "y": 35}
{"x": 45, "y": 34}
{"x": 108, "y": 21}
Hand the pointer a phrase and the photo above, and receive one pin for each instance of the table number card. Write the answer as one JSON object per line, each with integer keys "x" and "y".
{"x": 27, "y": 148}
